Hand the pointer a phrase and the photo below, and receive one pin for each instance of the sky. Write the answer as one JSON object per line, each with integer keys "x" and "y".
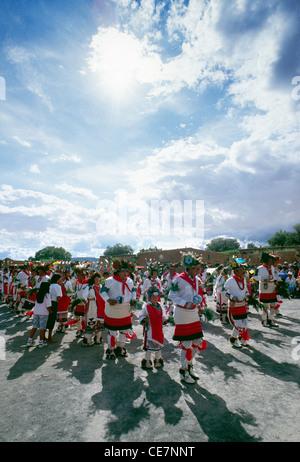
{"x": 147, "y": 123}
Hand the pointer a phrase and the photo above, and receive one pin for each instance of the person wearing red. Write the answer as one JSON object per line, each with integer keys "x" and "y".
{"x": 185, "y": 294}
{"x": 94, "y": 318}
{"x": 237, "y": 292}
{"x": 153, "y": 317}
{"x": 118, "y": 292}
{"x": 267, "y": 277}
{"x": 81, "y": 294}
{"x": 64, "y": 302}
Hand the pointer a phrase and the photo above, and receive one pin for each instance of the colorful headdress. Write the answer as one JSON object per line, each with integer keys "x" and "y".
{"x": 266, "y": 256}
{"x": 153, "y": 266}
{"x": 122, "y": 265}
{"x": 237, "y": 263}
{"x": 153, "y": 290}
{"x": 190, "y": 260}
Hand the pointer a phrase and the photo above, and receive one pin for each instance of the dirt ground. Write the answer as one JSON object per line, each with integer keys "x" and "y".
{"x": 70, "y": 393}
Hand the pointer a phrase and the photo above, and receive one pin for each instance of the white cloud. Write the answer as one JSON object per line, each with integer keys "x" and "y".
{"x": 22, "y": 142}
{"x": 69, "y": 189}
{"x": 34, "y": 168}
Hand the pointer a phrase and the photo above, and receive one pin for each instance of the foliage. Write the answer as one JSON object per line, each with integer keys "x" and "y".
{"x": 286, "y": 238}
{"x": 52, "y": 253}
{"x": 150, "y": 249}
{"x": 118, "y": 249}
{"x": 221, "y": 244}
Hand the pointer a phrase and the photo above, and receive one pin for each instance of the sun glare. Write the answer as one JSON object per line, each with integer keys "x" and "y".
{"x": 116, "y": 60}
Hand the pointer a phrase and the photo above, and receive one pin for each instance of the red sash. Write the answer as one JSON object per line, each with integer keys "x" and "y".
{"x": 186, "y": 278}
{"x": 64, "y": 301}
{"x": 240, "y": 282}
{"x": 117, "y": 278}
{"x": 99, "y": 302}
{"x": 155, "y": 316}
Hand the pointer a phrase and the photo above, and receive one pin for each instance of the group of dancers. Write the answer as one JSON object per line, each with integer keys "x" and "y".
{"x": 96, "y": 300}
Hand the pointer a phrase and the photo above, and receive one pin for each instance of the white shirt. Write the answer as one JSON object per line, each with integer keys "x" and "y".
{"x": 55, "y": 291}
{"x": 185, "y": 292}
{"x": 22, "y": 278}
{"x": 113, "y": 289}
{"x": 234, "y": 289}
{"x": 41, "y": 308}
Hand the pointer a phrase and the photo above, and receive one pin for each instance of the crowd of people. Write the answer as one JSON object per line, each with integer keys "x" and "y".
{"x": 105, "y": 297}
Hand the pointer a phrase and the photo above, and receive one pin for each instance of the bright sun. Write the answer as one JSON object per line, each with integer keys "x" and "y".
{"x": 116, "y": 58}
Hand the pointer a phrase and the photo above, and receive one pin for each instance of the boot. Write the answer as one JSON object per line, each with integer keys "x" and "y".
{"x": 235, "y": 342}
{"x": 186, "y": 376}
{"x": 192, "y": 373}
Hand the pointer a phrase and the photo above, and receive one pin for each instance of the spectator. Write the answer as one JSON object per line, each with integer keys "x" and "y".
{"x": 290, "y": 282}
{"x": 55, "y": 294}
{"x": 41, "y": 311}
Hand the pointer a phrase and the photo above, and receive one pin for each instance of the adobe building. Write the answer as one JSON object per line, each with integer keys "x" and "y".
{"x": 210, "y": 258}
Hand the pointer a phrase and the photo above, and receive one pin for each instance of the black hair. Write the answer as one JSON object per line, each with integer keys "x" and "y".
{"x": 43, "y": 290}
{"x": 55, "y": 278}
{"x": 91, "y": 280}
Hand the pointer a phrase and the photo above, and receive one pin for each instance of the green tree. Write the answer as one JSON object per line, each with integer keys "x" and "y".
{"x": 150, "y": 249}
{"x": 52, "y": 253}
{"x": 220, "y": 244}
{"x": 118, "y": 249}
{"x": 285, "y": 238}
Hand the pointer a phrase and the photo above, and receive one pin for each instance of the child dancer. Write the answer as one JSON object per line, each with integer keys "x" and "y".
{"x": 94, "y": 319}
{"x": 152, "y": 317}
{"x": 64, "y": 302}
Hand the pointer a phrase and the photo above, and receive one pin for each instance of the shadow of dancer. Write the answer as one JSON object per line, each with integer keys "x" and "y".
{"x": 216, "y": 421}
{"x": 119, "y": 391}
{"x": 163, "y": 392}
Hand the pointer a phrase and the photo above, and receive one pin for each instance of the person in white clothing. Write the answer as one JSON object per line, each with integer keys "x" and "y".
{"x": 42, "y": 309}
{"x": 185, "y": 294}
{"x": 152, "y": 280}
{"x": 267, "y": 278}
{"x": 153, "y": 317}
{"x": 118, "y": 292}
{"x": 22, "y": 286}
{"x": 237, "y": 292}
{"x": 94, "y": 318}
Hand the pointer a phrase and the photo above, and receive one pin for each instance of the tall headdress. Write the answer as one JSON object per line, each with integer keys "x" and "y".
{"x": 190, "y": 260}
{"x": 120, "y": 265}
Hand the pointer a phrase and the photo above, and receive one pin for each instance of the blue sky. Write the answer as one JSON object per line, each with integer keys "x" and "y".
{"x": 107, "y": 106}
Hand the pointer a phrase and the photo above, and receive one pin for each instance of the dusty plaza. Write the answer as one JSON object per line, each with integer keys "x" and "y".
{"x": 70, "y": 393}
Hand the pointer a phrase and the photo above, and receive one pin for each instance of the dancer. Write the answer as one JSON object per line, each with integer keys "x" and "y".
{"x": 64, "y": 302}
{"x": 152, "y": 280}
{"x": 220, "y": 295}
{"x": 237, "y": 291}
{"x": 185, "y": 295}
{"x": 169, "y": 277}
{"x": 118, "y": 291}
{"x": 81, "y": 295}
{"x": 152, "y": 317}
{"x": 267, "y": 289}
{"x": 94, "y": 318}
